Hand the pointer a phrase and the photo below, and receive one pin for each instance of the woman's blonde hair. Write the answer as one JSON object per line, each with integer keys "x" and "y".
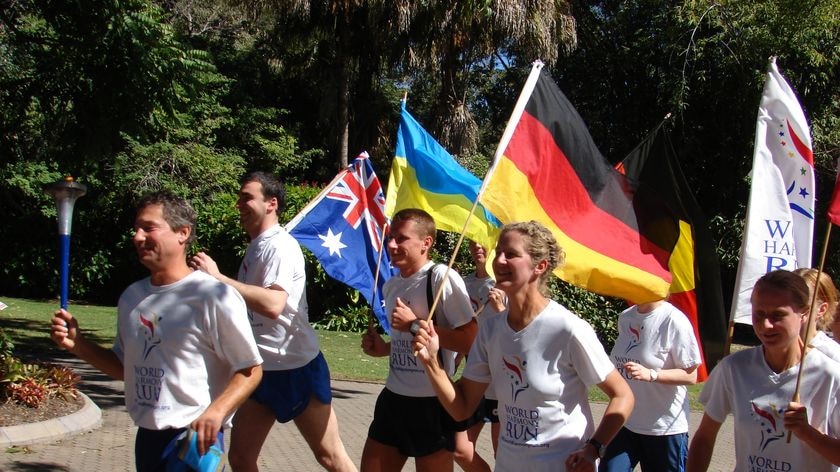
{"x": 826, "y": 293}
{"x": 541, "y": 245}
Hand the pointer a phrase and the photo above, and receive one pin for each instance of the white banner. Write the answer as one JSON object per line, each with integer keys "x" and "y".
{"x": 779, "y": 230}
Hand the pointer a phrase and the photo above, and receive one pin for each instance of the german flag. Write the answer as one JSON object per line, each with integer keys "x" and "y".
{"x": 547, "y": 168}
{"x": 696, "y": 287}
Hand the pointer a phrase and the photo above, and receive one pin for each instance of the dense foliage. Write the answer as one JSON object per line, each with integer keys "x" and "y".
{"x": 135, "y": 95}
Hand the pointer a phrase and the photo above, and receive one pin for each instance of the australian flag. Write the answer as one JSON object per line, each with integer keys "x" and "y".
{"x": 343, "y": 227}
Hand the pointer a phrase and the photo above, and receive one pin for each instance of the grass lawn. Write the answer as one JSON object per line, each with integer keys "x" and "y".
{"x": 27, "y": 322}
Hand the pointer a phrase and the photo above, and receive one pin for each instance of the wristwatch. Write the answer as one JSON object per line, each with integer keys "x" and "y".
{"x": 599, "y": 448}
{"x": 414, "y": 328}
{"x": 653, "y": 375}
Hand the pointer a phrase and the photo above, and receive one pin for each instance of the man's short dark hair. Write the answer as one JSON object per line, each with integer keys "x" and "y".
{"x": 272, "y": 187}
{"x": 177, "y": 211}
{"x": 423, "y": 221}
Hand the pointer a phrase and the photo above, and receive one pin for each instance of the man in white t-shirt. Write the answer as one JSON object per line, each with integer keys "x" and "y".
{"x": 183, "y": 344}
{"x": 296, "y": 379}
{"x": 392, "y": 439}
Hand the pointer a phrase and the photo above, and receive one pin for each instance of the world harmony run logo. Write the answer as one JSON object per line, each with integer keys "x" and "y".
{"x": 516, "y": 373}
{"x": 635, "y": 337}
{"x": 152, "y": 336}
{"x": 770, "y": 421}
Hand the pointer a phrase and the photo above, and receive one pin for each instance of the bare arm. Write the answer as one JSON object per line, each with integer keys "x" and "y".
{"x": 703, "y": 445}
{"x": 687, "y": 376}
{"x": 796, "y": 420}
{"x": 460, "y": 399}
{"x": 458, "y": 339}
{"x": 66, "y": 334}
{"x": 206, "y": 426}
{"x": 266, "y": 301}
{"x": 618, "y": 410}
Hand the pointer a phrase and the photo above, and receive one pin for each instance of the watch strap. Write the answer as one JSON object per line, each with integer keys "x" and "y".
{"x": 600, "y": 449}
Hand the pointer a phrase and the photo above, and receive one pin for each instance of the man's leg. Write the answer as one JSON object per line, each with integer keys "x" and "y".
{"x": 319, "y": 427}
{"x": 251, "y": 426}
{"x": 378, "y": 457}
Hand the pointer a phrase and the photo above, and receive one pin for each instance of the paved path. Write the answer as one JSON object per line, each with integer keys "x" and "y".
{"x": 110, "y": 447}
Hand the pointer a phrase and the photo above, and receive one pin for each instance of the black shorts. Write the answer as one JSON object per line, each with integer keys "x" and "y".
{"x": 477, "y": 417}
{"x": 491, "y": 410}
{"x": 415, "y": 426}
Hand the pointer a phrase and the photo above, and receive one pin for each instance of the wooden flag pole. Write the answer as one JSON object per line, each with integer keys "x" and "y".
{"x": 730, "y": 332}
{"x": 452, "y": 259}
{"x": 372, "y": 317}
{"x": 518, "y": 109}
{"x": 812, "y": 320}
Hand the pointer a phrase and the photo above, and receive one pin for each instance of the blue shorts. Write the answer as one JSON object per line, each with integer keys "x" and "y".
{"x": 660, "y": 453}
{"x": 287, "y": 392}
{"x": 394, "y": 424}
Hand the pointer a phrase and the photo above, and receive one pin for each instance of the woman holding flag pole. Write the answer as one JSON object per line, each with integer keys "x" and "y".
{"x": 756, "y": 385}
{"x": 541, "y": 359}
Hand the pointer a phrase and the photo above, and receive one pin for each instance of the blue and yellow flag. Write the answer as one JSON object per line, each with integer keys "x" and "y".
{"x": 424, "y": 175}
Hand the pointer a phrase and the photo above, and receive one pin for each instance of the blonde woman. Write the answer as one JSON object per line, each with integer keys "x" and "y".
{"x": 540, "y": 359}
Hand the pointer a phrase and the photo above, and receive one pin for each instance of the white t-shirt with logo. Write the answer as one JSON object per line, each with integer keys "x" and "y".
{"x": 406, "y": 375}
{"x": 743, "y": 385}
{"x": 479, "y": 291}
{"x": 541, "y": 375}
{"x": 660, "y": 339}
{"x": 180, "y": 344}
{"x": 275, "y": 258}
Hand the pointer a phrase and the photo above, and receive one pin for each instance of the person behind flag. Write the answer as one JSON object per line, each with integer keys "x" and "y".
{"x": 658, "y": 355}
{"x": 541, "y": 359}
{"x": 824, "y": 309}
{"x": 429, "y": 437}
{"x": 296, "y": 381}
{"x": 756, "y": 385}
{"x": 183, "y": 346}
{"x": 486, "y": 300}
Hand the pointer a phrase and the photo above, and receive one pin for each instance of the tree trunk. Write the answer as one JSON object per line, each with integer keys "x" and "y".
{"x": 343, "y": 99}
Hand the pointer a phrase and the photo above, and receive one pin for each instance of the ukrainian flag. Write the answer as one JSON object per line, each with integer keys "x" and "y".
{"x": 425, "y": 176}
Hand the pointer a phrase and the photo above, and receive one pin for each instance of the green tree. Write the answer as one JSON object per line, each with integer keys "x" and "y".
{"x": 103, "y": 90}
{"x": 704, "y": 62}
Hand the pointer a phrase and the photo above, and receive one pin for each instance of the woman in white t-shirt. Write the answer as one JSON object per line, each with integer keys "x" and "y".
{"x": 658, "y": 355}
{"x": 756, "y": 385}
{"x": 540, "y": 359}
{"x": 824, "y": 309}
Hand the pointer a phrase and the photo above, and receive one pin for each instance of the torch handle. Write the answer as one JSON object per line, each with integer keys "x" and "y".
{"x": 65, "y": 268}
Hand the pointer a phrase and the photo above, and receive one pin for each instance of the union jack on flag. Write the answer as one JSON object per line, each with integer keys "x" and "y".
{"x": 343, "y": 227}
{"x": 360, "y": 189}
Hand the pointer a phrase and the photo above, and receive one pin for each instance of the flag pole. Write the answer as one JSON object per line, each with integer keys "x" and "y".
{"x": 372, "y": 315}
{"x": 517, "y": 111}
{"x": 812, "y": 320}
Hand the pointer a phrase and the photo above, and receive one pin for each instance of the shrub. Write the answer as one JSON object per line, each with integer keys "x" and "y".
{"x": 30, "y": 384}
{"x": 29, "y": 392}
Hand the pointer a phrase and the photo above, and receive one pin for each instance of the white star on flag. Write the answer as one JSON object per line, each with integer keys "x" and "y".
{"x": 332, "y": 242}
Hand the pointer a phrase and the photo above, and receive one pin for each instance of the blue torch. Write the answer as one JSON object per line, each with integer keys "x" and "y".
{"x": 65, "y": 193}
